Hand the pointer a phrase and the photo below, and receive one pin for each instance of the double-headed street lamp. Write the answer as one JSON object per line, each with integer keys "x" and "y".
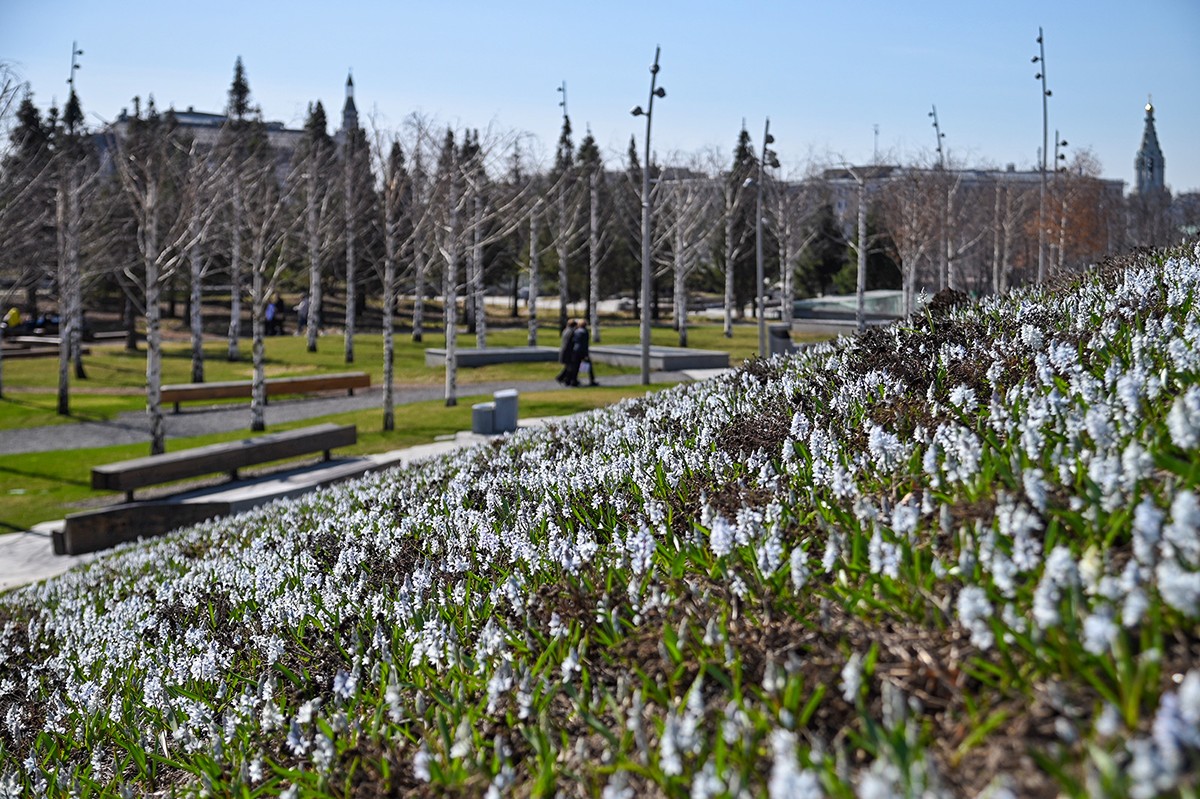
{"x": 768, "y": 159}
{"x": 646, "y": 209}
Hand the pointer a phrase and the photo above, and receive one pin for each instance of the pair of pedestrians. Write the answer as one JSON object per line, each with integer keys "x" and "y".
{"x": 573, "y": 354}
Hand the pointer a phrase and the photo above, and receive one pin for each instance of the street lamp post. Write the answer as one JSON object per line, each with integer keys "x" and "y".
{"x": 768, "y": 159}
{"x": 646, "y": 211}
{"x": 937, "y": 128}
{"x": 1040, "y": 58}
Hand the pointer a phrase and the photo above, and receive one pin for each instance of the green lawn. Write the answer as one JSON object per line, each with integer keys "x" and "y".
{"x": 42, "y": 486}
{"x": 116, "y": 378}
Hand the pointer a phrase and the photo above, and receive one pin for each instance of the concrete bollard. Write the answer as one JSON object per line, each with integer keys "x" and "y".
{"x": 505, "y": 420}
{"x": 483, "y": 418}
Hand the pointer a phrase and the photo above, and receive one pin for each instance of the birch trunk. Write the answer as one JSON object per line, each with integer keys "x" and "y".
{"x": 594, "y": 256}
{"x": 150, "y": 255}
{"x": 534, "y": 273}
{"x": 351, "y": 289}
{"x": 786, "y": 304}
{"x": 477, "y": 275}
{"x": 313, "y": 233}
{"x": 389, "y": 301}
{"x": 235, "y": 273}
{"x": 451, "y": 300}
{"x": 1062, "y": 232}
{"x": 258, "y": 393}
{"x": 996, "y": 238}
{"x": 418, "y": 322}
{"x": 729, "y": 258}
{"x": 69, "y": 223}
{"x": 1006, "y": 262}
{"x": 680, "y": 287}
{"x": 563, "y": 248}
{"x": 197, "y": 295}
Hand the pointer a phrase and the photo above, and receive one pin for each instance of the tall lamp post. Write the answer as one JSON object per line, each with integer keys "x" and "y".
{"x": 937, "y": 128}
{"x": 1040, "y": 58}
{"x": 646, "y": 210}
{"x": 768, "y": 159}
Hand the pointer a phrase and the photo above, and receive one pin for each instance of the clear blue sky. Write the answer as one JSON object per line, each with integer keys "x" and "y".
{"x": 825, "y": 72}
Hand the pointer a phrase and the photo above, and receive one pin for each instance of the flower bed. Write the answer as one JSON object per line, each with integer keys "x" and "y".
{"x": 952, "y": 556}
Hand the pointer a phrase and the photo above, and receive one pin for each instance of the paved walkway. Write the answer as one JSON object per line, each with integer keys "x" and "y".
{"x": 197, "y": 420}
{"x": 28, "y": 556}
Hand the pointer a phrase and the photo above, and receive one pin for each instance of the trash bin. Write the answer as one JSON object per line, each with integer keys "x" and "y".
{"x": 483, "y": 418}
{"x": 780, "y": 340}
{"x": 505, "y": 420}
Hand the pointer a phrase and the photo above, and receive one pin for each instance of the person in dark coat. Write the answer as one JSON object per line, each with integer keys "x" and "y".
{"x": 580, "y": 347}
{"x": 579, "y": 354}
{"x": 564, "y": 351}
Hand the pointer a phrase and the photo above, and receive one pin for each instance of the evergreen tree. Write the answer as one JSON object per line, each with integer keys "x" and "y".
{"x": 826, "y": 253}
{"x": 566, "y": 206}
{"x": 239, "y": 93}
{"x": 315, "y": 155}
{"x": 27, "y": 204}
{"x": 740, "y": 228}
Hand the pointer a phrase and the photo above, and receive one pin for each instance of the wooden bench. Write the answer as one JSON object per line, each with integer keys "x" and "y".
{"x": 226, "y": 457}
{"x": 276, "y": 386}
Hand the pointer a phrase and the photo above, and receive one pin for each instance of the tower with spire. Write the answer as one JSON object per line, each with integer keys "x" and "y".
{"x": 1149, "y": 164}
{"x": 349, "y": 114}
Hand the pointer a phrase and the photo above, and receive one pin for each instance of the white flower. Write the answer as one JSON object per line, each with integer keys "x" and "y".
{"x": 799, "y": 568}
{"x": 570, "y": 664}
{"x": 964, "y": 398}
{"x": 1179, "y": 587}
{"x": 1099, "y": 631}
{"x": 788, "y": 780}
{"x": 1147, "y": 527}
{"x": 421, "y": 764}
{"x": 668, "y": 752}
{"x": 296, "y": 740}
{"x": 1060, "y": 573}
{"x": 1035, "y": 488}
{"x": 1183, "y": 420}
{"x": 974, "y": 612}
{"x": 721, "y": 537}
{"x": 852, "y": 678}
{"x": 1183, "y": 533}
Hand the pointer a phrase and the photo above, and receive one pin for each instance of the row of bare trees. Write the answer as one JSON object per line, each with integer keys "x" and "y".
{"x": 148, "y": 204}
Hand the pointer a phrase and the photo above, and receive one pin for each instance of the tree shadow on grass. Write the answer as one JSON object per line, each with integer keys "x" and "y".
{"x": 75, "y": 416}
{"x": 53, "y": 478}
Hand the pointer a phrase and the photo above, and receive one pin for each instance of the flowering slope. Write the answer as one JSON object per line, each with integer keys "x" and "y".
{"x": 953, "y": 556}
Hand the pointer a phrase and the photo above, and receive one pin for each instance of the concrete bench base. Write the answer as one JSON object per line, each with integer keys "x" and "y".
{"x": 662, "y": 359}
{"x": 436, "y": 356}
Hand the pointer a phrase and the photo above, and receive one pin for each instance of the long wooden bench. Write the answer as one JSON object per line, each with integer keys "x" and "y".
{"x": 276, "y": 386}
{"x": 226, "y": 457}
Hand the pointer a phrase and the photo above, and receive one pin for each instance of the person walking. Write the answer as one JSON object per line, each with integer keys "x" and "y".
{"x": 581, "y": 346}
{"x": 302, "y": 315}
{"x": 579, "y": 355}
{"x": 564, "y": 351}
{"x": 270, "y": 314}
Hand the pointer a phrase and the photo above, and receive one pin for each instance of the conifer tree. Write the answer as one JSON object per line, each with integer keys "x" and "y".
{"x": 316, "y": 157}
{"x": 563, "y": 180}
{"x": 738, "y": 248}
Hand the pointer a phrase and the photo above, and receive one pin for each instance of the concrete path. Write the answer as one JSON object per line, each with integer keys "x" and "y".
{"x": 197, "y": 419}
